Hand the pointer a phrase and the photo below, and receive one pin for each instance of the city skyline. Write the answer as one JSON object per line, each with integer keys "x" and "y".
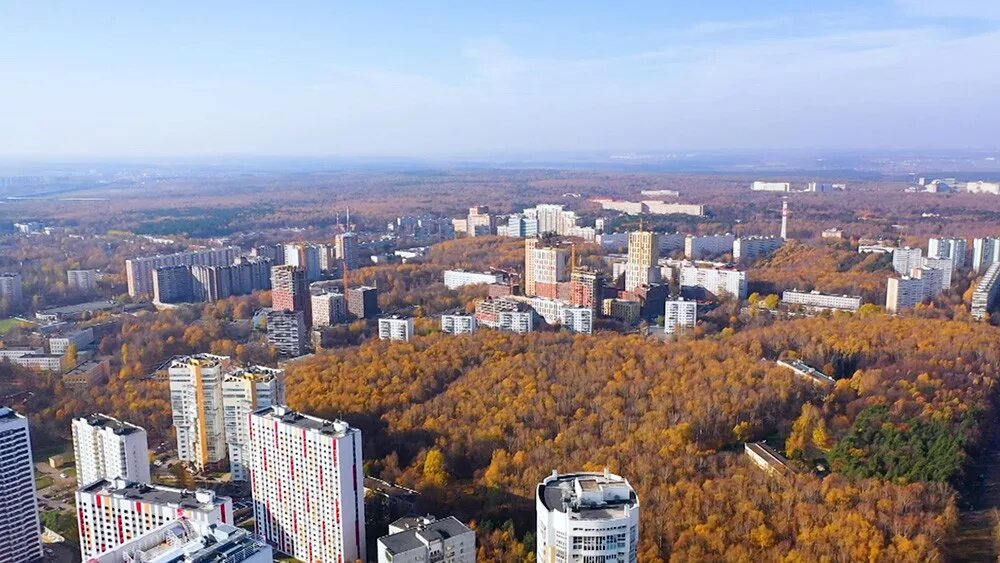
{"x": 417, "y": 81}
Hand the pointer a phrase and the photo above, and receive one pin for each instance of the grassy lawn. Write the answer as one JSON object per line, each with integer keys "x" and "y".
{"x": 43, "y": 482}
{"x": 6, "y": 325}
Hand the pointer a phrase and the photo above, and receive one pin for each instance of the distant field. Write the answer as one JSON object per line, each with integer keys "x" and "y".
{"x": 6, "y": 325}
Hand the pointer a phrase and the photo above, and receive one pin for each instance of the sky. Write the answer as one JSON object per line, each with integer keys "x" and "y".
{"x": 473, "y": 79}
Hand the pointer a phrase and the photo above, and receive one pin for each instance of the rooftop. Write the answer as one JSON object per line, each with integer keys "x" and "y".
{"x": 588, "y": 496}
{"x": 288, "y": 416}
{"x": 418, "y": 532}
{"x": 204, "y": 360}
{"x": 122, "y": 428}
{"x": 201, "y": 499}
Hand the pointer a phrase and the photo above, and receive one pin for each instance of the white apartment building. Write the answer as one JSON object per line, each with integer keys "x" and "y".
{"x": 458, "y": 324}
{"x": 908, "y": 291}
{"x": 697, "y": 247}
{"x": 517, "y": 321}
{"x": 245, "y": 390}
{"x": 985, "y": 251}
{"x": 679, "y": 314}
{"x": 748, "y": 248}
{"x": 20, "y": 539}
{"x": 954, "y": 248}
{"x": 578, "y": 319}
{"x": 395, "y": 328}
{"x": 196, "y": 401}
{"x": 455, "y": 279}
{"x": 700, "y": 282}
{"x": 425, "y": 539}
{"x": 817, "y": 300}
{"x": 307, "y": 483}
{"x": 986, "y": 294}
{"x": 181, "y": 541}
{"x": 905, "y": 259}
{"x": 107, "y": 448}
{"x": 286, "y": 331}
{"x": 643, "y": 252}
{"x": 762, "y": 186}
{"x": 328, "y": 309}
{"x": 82, "y": 280}
{"x": 111, "y": 513}
{"x": 586, "y": 517}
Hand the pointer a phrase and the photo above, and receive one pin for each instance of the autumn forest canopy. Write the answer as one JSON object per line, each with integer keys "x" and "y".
{"x": 483, "y": 417}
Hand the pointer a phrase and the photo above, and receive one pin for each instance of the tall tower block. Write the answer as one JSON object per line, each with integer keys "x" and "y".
{"x": 784, "y": 218}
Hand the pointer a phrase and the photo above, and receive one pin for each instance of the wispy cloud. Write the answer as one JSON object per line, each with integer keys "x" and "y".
{"x": 957, "y": 9}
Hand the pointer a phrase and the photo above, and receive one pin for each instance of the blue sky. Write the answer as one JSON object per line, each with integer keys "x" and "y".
{"x": 468, "y": 78}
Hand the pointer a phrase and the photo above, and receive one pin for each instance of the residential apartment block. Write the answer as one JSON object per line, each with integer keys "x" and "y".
{"x": 307, "y": 483}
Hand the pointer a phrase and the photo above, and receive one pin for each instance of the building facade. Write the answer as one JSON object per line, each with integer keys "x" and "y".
{"x": 458, "y": 324}
{"x": 82, "y": 280}
{"x": 455, "y": 279}
{"x": 987, "y": 293}
{"x": 578, "y": 319}
{"x": 985, "y": 251}
{"x": 290, "y": 291}
{"x": 287, "y": 332}
{"x": 329, "y": 309}
{"x": 817, "y": 300}
{"x": 20, "y": 540}
{"x": 643, "y": 253}
{"x": 196, "y": 403}
{"x": 107, "y": 448}
{"x": 708, "y": 246}
{"x": 139, "y": 271}
{"x": 307, "y": 483}
{"x": 395, "y": 328}
{"x": 244, "y": 391}
{"x": 709, "y": 282}
{"x": 173, "y": 284}
{"x": 750, "y": 248}
{"x": 954, "y": 248}
{"x": 679, "y": 314}
{"x": 362, "y": 302}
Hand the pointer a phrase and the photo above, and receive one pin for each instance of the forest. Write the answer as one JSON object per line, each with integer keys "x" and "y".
{"x": 475, "y": 421}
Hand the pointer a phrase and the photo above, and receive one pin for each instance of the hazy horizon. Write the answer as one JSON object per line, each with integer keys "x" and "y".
{"x": 398, "y": 81}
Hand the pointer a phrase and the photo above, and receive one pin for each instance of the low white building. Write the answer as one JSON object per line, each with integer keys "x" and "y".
{"x": 395, "y": 328}
{"x": 425, "y": 539}
{"x": 578, "y": 319}
{"x": 763, "y": 186}
{"x": 458, "y": 324}
{"x": 817, "y": 300}
{"x": 982, "y": 187}
{"x": 679, "y": 314}
{"x": 455, "y": 279}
